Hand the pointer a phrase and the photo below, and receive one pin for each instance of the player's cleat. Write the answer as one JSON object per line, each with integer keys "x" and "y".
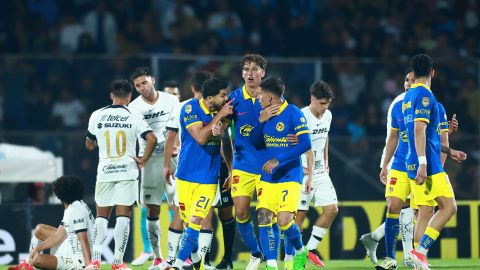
{"x": 157, "y": 264}
{"x": 208, "y": 266}
{"x": 408, "y": 262}
{"x": 224, "y": 264}
{"x": 288, "y": 265}
{"x": 94, "y": 265}
{"x": 253, "y": 263}
{"x": 24, "y": 266}
{"x": 143, "y": 258}
{"x": 300, "y": 260}
{"x": 314, "y": 257}
{"x": 370, "y": 245}
{"x": 419, "y": 260}
{"x": 122, "y": 266}
{"x": 388, "y": 263}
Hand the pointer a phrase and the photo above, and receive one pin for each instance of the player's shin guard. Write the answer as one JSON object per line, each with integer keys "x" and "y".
{"x": 248, "y": 236}
{"x": 268, "y": 243}
{"x": 120, "y": 235}
{"x": 391, "y": 234}
{"x": 154, "y": 236}
{"x": 293, "y": 234}
{"x": 99, "y": 236}
{"x": 379, "y": 232}
{"x": 289, "y": 249}
{"x": 276, "y": 233}
{"x": 317, "y": 235}
{"x": 204, "y": 242}
{"x": 228, "y": 237}
{"x": 189, "y": 242}
{"x": 428, "y": 239}
{"x": 406, "y": 229}
{"x": 173, "y": 242}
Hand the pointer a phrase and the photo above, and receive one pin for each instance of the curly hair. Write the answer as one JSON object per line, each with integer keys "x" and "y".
{"x": 68, "y": 188}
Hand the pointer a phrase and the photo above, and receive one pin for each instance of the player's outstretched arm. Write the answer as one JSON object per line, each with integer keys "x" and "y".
{"x": 390, "y": 148}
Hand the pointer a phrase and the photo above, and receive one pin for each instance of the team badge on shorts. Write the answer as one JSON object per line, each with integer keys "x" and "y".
{"x": 393, "y": 181}
{"x": 280, "y": 126}
{"x": 188, "y": 108}
{"x": 182, "y": 206}
{"x": 236, "y": 179}
{"x": 425, "y": 101}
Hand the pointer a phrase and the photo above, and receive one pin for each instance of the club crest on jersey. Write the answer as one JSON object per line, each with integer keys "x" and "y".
{"x": 425, "y": 101}
{"x": 188, "y": 108}
{"x": 280, "y": 126}
{"x": 302, "y": 119}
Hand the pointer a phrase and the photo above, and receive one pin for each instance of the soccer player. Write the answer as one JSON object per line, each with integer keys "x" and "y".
{"x": 317, "y": 185}
{"x": 199, "y": 162}
{"x": 246, "y": 158}
{"x": 423, "y": 161}
{"x": 173, "y": 129}
{"x": 72, "y": 239}
{"x": 282, "y": 173}
{"x": 114, "y": 129}
{"x": 172, "y": 88}
{"x": 156, "y": 107}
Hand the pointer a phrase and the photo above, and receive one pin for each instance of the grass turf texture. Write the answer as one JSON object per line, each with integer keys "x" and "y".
{"x": 450, "y": 264}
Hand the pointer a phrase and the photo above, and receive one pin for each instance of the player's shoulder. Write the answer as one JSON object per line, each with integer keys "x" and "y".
{"x": 191, "y": 106}
{"x": 236, "y": 93}
{"x": 167, "y": 97}
{"x": 137, "y": 102}
{"x": 328, "y": 114}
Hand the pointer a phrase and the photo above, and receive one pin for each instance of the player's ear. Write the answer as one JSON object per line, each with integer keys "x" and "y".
{"x": 111, "y": 96}
{"x": 433, "y": 73}
{"x": 263, "y": 73}
{"x": 153, "y": 80}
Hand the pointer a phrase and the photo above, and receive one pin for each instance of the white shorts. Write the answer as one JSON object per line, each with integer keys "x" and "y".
{"x": 152, "y": 184}
{"x": 323, "y": 192}
{"x": 116, "y": 193}
{"x": 66, "y": 260}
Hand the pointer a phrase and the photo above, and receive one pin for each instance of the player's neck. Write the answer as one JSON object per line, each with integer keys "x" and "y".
{"x": 153, "y": 99}
{"x": 317, "y": 115}
{"x": 120, "y": 101}
{"x": 197, "y": 95}
{"x": 252, "y": 92}
{"x": 208, "y": 105}
{"x": 424, "y": 80}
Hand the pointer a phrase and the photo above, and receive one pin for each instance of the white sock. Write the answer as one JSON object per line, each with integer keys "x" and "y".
{"x": 178, "y": 263}
{"x": 196, "y": 257}
{"x": 379, "y": 233}
{"x": 120, "y": 235}
{"x": 272, "y": 263}
{"x": 173, "y": 242}
{"x": 288, "y": 257}
{"x": 34, "y": 242}
{"x": 406, "y": 229}
{"x": 154, "y": 235}
{"x": 204, "y": 242}
{"x": 317, "y": 235}
{"x": 99, "y": 236}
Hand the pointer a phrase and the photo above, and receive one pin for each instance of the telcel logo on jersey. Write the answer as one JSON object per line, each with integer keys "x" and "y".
{"x": 245, "y": 130}
{"x": 114, "y": 118}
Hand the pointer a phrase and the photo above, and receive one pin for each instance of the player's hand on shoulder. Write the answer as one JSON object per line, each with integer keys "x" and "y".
{"x": 268, "y": 113}
{"x": 270, "y": 165}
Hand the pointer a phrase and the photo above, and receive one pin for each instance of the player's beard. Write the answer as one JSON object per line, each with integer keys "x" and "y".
{"x": 218, "y": 107}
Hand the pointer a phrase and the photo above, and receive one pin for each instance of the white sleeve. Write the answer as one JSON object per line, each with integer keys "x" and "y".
{"x": 91, "y": 124}
{"x": 174, "y": 121}
{"x": 389, "y": 128}
{"x": 79, "y": 219}
{"x": 142, "y": 126}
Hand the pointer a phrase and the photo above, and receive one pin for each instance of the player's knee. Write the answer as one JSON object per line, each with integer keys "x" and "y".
{"x": 39, "y": 230}
{"x": 242, "y": 214}
{"x": 452, "y": 210}
{"x": 394, "y": 206}
{"x": 196, "y": 220}
{"x": 331, "y": 210}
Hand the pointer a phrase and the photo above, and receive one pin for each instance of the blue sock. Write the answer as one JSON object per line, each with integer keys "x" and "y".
{"x": 289, "y": 249}
{"x": 391, "y": 234}
{"x": 248, "y": 236}
{"x": 267, "y": 241}
{"x": 293, "y": 235}
{"x": 188, "y": 244}
{"x": 276, "y": 232}
{"x": 143, "y": 228}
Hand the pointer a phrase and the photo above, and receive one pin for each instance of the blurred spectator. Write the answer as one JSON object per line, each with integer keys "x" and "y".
{"x": 352, "y": 80}
{"x": 102, "y": 27}
{"x": 68, "y": 110}
{"x": 70, "y": 32}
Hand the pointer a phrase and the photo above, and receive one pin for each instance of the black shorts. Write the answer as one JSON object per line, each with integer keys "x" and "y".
{"x": 225, "y": 197}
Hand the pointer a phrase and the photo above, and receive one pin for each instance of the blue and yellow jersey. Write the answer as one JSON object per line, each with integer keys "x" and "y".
{"x": 402, "y": 147}
{"x": 420, "y": 104}
{"x": 442, "y": 125}
{"x": 272, "y": 135}
{"x": 246, "y": 110}
{"x": 198, "y": 163}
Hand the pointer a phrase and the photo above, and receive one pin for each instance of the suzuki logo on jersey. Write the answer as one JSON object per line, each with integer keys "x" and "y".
{"x": 320, "y": 131}
{"x": 99, "y": 126}
{"x": 154, "y": 115}
{"x": 245, "y": 130}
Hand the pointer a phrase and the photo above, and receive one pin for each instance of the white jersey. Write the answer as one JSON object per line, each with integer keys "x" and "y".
{"x": 399, "y": 98}
{"x": 77, "y": 218}
{"x": 116, "y": 128}
{"x": 157, "y": 116}
{"x": 174, "y": 122}
{"x": 319, "y": 129}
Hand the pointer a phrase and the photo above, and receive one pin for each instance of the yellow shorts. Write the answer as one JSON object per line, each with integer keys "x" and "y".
{"x": 244, "y": 183}
{"x": 398, "y": 185}
{"x": 437, "y": 185}
{"x": 279, "y": 197}
{"x": 194, "y": 199}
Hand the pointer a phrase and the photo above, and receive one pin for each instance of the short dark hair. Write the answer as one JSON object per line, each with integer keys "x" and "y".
{"x": 321, "y": 89}
{"x": 140, "y": 71}
{"x": 171, "y": 84}
{"x": 199, "y": 78}
{"x": 68, "y": 188}
{"x": 212, "y": 87}
{"x": 121, "y": 88}
{"x": 273, "y": 85}
{"x": 254, "y": 58}
{"x": 408, "y": 70}
{"x": 421, "y": 65}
